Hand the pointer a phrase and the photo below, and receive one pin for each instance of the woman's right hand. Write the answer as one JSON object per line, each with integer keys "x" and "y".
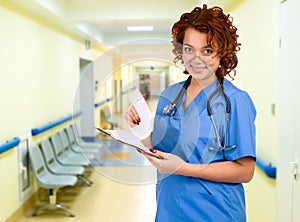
{"x": 132, "y": 117}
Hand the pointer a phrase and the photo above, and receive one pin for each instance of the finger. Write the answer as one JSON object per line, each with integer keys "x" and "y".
{"x": 133, "y": 110}
{"x": 131, "y": 117}
{"x": 159, "y": 153}
{"x": 155, "y": 158}
{"x": 148, "y": 156}
{"x": 151, "y": 158}
{"x": 135, "y": 115}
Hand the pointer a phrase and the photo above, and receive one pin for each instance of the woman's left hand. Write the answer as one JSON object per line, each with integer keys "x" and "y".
{"x": 168, "y": 164}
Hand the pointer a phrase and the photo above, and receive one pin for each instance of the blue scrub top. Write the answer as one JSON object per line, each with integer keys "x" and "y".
{"x": 189, "y": 134}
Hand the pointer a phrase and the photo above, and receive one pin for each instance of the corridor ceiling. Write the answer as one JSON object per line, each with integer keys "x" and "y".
{"x": 104, "y": 22}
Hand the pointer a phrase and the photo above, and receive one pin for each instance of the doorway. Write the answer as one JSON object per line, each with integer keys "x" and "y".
{"x": 86, "y": 100}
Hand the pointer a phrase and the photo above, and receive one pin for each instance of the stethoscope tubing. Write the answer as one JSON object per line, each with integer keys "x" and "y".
{"x": 171, "y": 109}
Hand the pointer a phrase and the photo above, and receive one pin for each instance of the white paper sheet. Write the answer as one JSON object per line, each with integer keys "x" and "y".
{"x": 145, "y": 127}
{"x": 133, "y": 136}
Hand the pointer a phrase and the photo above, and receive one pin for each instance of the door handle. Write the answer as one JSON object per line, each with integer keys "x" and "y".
{"x": 295, "y": 165}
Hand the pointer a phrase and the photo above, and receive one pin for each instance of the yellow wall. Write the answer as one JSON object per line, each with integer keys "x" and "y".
{"x": 36, "y": 63}
{"x": 39, "y": 76}
{"x": 257, "y": 73}
{"x": 9, "y": 184}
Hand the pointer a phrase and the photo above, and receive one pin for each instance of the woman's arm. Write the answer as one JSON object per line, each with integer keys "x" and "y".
{"x": 238, "y": 171}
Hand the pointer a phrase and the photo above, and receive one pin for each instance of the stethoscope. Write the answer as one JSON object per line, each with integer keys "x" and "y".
{"x": 171, "y": 109}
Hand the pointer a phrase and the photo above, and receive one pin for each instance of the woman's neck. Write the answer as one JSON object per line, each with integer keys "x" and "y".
{"x": 201, "y": 84}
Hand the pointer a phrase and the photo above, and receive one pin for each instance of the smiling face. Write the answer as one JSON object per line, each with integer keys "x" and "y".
{"x": 200, "y": 60}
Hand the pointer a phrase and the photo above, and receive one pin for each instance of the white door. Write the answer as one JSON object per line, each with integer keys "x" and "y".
{"x": 296, "y": 165}
{"x": 288, "y": 181}
{"x": 86, "y": 100}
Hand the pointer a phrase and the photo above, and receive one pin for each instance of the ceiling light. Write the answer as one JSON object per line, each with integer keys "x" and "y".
{"x": 140, "y": 28}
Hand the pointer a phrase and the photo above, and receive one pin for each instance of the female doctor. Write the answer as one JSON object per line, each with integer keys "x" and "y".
{"x": 204, "y": 130}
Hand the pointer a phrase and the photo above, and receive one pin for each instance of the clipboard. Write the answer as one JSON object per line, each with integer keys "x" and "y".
{"x": 143, "y": 149}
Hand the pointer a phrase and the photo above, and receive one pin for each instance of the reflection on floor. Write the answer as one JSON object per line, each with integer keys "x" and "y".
{"x": 114, "y": 153}
{"x": 123, "y": 190}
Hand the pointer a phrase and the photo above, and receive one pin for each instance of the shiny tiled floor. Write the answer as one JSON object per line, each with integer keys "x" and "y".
{"x": 123, "y": 190}
{"x": 119, "y": 193}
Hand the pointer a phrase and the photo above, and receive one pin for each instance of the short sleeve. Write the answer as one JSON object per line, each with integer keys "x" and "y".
{"x": 241, "y": 127}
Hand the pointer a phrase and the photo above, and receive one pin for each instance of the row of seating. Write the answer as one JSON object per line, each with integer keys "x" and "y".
{"x": 60, "y": 161}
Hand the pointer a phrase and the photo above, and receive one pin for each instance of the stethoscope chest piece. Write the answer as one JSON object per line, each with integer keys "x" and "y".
{"x": 170, "y": 109}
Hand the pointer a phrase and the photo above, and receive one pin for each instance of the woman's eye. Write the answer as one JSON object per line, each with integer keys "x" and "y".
{"x": 207, "y": 51}
{"x": 187, "y": 49}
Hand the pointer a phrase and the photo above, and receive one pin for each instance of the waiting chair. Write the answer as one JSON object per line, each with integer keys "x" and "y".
{"x": 66, "y": 157}
{"x": 96, "y": 143}
{"x": 63, "y": 153}
{"x": 50, "y": 181}
{"x": 86, "y": 150}
{"x": 114, "y": 121}
{"x": 55, "y": 167}
{"x": 67, "y": 146}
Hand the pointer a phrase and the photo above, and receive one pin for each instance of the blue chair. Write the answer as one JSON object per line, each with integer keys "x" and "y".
{"x": 97, "y": 143}
{"x": 47, "y": 180}
{"x": 65, "y": 156}
{"x": 67, "y": 147}
{"x": 55, "y": 167}
{"x": 63, "y": 153}
{"x": 114, "y": 121}
{"x": 88, "y": 151}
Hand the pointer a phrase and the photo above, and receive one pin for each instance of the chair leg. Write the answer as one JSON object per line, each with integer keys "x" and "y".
{"x": 53, "y": 203}
{"x": 58, "y": 205}
{"x": 86, "y": 180}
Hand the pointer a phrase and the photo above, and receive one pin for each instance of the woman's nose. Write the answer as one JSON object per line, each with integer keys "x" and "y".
{"x": 198, "y": 58}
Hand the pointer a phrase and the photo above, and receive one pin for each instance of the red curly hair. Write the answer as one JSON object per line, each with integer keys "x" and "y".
{"x": 221, "y": 35}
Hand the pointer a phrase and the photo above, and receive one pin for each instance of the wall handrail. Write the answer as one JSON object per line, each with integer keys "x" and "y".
{"x": 9, "y": 144}
{"x": 268, "y": 169}
{"x": 38, "y": 130}
{"x": 103, "y": 102}
{"x": 35, "y": 131}
{"x": 111, "y": 98}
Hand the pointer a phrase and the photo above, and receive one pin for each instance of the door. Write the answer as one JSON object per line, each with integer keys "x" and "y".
{"x": 288, "y": 181}
{"x": 86, "y": 100}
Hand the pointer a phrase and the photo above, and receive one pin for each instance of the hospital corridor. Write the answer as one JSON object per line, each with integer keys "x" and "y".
{"x": 84, "y": 83}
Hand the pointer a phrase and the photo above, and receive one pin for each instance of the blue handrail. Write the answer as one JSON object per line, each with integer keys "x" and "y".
{"x": 268, "y": 169}
{"x": 103, "y": 101}
{"x": 111, "y": 98}
{"x": 9, "y": 144}
{"x": 38, "y": 130}
{"x": 35, "y": 131}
